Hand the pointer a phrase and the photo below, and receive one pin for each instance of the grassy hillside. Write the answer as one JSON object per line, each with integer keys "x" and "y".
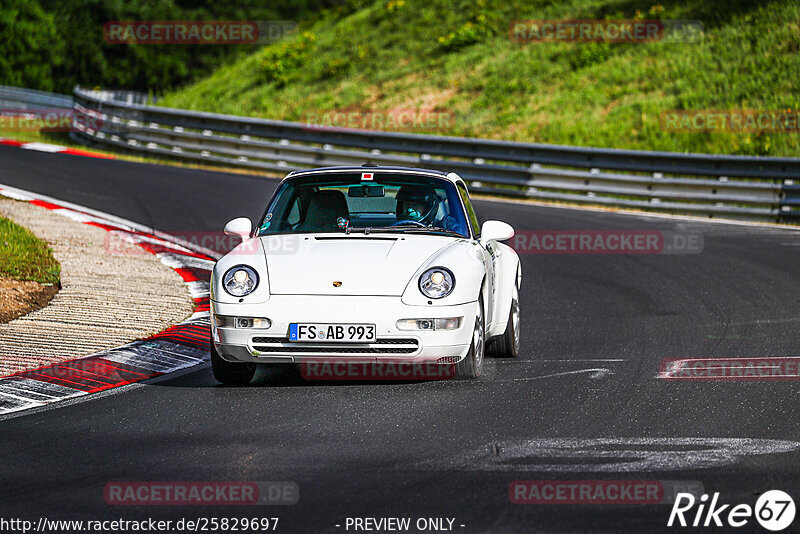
{"x": 456, "y": 57}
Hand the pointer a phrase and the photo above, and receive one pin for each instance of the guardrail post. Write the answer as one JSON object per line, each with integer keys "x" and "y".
{"x": 790, "y": 203}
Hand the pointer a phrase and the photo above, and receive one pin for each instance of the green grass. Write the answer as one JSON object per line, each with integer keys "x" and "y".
{"x": 30, "y": 135}
{"x": 36, "y": 135}
{"x": 60, "y": 138}
{"x": 456, "y": 57}
{"x": 23, "y": 256}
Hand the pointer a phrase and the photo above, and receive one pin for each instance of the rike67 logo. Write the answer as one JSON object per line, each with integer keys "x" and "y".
{"x": 774, "y": 511}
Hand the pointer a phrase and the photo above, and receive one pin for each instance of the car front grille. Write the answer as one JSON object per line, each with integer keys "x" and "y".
{"x": 379, "y": 346}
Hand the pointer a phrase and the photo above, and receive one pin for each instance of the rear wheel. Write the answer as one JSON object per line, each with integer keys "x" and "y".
{"x": 472, "y": 365}
{"x": 232, "y": 373}
{"x": 508, "y": 343}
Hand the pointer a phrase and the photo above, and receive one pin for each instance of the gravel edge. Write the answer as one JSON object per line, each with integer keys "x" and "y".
{"x": 106, "y": 299}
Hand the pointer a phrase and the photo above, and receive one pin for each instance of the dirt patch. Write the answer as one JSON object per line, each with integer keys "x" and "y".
{"x": 18, "y": 298}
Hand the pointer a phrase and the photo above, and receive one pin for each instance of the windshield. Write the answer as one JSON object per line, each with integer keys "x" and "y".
{"x": 342, "y": 202}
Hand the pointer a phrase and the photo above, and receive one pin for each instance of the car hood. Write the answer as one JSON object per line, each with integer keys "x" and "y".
{"x": 377, "y": 264}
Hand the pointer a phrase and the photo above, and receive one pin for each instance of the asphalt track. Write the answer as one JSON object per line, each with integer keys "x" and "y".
{"x": 595, "y": 328}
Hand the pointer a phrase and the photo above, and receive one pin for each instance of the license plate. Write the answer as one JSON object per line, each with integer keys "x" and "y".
{"x": 332, "y": 333}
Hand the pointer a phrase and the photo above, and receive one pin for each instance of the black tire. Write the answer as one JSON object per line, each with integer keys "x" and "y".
{"x": 507, "y": 345}
{"x": 472, "y": 365}
{"x": 231, "y": 373}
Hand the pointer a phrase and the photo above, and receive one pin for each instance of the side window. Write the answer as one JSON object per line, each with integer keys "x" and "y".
{"x": 284, "y": 206}
{"x": 473, "y": 219}
{"x": 294, "y": 213}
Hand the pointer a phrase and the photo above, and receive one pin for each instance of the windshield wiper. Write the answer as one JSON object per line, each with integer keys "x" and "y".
{"x": 435, "y": 229}
{"x": 417, "y": 229}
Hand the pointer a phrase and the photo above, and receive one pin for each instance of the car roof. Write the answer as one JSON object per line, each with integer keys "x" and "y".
{"x": 451, "y": 176}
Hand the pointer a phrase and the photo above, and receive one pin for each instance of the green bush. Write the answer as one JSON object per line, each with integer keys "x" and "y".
{"x": 282, "y": 63}
{"x": 29, "y": 46}
{"x": 54, "y": 45}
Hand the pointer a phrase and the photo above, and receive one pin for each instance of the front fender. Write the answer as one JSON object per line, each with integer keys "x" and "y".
{"x": 465, "y": 262}
{"x": 509, "y": 272}
{"x": 250, "y": 253}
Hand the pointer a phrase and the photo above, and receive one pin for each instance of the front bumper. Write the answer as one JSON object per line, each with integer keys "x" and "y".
{"x": 271, "y": 345}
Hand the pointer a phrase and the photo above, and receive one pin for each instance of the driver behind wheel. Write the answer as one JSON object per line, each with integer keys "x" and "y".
{"x": 417, "y": 203}
{"x": 420, "y": 203}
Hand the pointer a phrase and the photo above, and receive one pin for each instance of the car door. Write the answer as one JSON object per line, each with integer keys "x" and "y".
{"x": 488, "y": 253}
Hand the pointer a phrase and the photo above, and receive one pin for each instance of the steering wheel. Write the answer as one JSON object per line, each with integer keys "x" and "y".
{"x": 409, "y": 221}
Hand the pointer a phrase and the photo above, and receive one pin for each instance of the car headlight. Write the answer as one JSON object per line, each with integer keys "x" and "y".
{"x": 240, "y": 280}
{"x": 437, "y": 282}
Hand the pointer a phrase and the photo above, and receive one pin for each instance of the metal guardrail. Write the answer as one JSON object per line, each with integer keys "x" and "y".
{"x": 20, "y": 98}
{"x": 754, "y": 188}
{"x": 119, "y": 95}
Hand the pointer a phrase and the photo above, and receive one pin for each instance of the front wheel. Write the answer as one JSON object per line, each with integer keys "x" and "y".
{"x": 232, "y": 373}
{"x": 472, "y": 365}
{"x": 508, "y": 344}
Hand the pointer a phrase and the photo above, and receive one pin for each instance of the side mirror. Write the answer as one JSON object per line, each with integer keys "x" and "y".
{"x": 241, "y": 227}
{"x": 496, "y": 231}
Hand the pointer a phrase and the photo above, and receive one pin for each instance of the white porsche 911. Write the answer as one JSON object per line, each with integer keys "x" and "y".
{"x": 380, "y": 264}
